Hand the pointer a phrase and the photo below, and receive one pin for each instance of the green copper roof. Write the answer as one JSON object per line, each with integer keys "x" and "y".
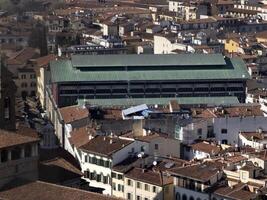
{"x": 161, "y": 101}
{"x": 146, "y": 60}
{"x": 188, "y": 67}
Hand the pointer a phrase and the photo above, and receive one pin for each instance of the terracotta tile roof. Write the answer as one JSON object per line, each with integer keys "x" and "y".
{"x": 224, "y": 2}
{"x": 105, "y": 145}
{"x": 254, "y": 135}
{"x": 50, "y": 154}
{"x": 233, "y": 111}
{"x": 201, "y": 172}
{"x": 80, "y": 136}
{"x": 73, "y": 113}
{"x": 235, "y": 159}
{"x": 26, "y": 131}
{"x": 23, "y": 56}
{"x": 58, "y": 170}
{"x": 43, "y": 191}
{"x": 9, "y": 139}
{"x": 150, "y": 137}
{"x": 237, "y": 192}
{"x": 44, "y": 61}
{"x": 148, "y": 176}
{"x": 211, "y": 149}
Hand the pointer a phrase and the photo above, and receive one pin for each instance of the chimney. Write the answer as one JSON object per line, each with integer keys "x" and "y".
{"x": 137, "y": 128}
{"x": 144, "y": 132}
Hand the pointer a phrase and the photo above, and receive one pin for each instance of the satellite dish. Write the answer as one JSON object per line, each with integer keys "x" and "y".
{"x": 155, "y": 163}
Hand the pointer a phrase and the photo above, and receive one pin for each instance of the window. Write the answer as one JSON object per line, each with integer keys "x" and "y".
{"x": 101, "y": 162}
{"x": 85, "y": 158}
{"x": 142, "y": 148}
{"x": 119, "y": 187}
{"x": 224, "y": 142}
{"x": 27, "y": 151}
{"x": 184, "y": 197}
{"x": 138, "y": 185}
{"x": 33, "y": 84}
{"x": 94, "y": 160}
{"x": 224, "y": 131}
{"x": 154, "y": 189}
{"x": 23, "y": 76}
{"x": 105, "y": 179}
{"x": 146, "y": 187}
{"x": 114, "y": 186}
{"x": 199, "y": 131}
{"x": 191, "y": 198}
{"x": 178, "y": 197}
{"x": 4, "y": 155}
{"x": 138, "y": 197}
{"x": 6, "y": 108}
{"x": 98, "y": 178}
{"x": 156, "y": 146}
{"x": 86, "y": 174}
{"x": 24, "y": 85}
{"x": 107, "y": 164}
{"x": 32, "y": 76}
{"x": 15, "y": 153}
{"x": 92, "y": 176}
{"x": 129, "y": 196}
{"x": 129, "y": 182}
{"x": 120, "y": 177}
{"x": 113, "y": 175}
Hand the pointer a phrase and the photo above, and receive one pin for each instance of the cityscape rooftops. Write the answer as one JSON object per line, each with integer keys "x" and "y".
{"x": 206, "y": 147}
{"x": 9, "y": 139}
{"x": 237, "y": 192}
{"x": 238, "y": 110}
{"x": 42, "y": 191}
{"x": 149, "y": 176}
{"x": 105, "y": 145}
{"x": 254, "y": 136}
{"x": 81, "y": 136}
{"x": 200, "y": 172}
{"x": 73, "y": 113}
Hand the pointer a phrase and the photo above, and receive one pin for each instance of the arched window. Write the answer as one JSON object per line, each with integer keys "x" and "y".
{"x": 184, "y": 197}
{"x": 178, "y": 196}
{"x": 191, "y": 198}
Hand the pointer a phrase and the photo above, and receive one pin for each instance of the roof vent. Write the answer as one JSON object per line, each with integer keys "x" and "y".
{"x": 260, "y": 130}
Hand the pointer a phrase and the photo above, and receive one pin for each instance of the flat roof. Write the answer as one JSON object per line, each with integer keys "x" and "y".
{"x": 88, "y": 68}
{"x": 227, "y": 100}
{"x": 143, "y": 60}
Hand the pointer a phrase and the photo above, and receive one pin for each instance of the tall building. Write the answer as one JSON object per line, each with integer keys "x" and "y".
{"x": 147, "y": 76}
{"x": 7, "y": 99}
